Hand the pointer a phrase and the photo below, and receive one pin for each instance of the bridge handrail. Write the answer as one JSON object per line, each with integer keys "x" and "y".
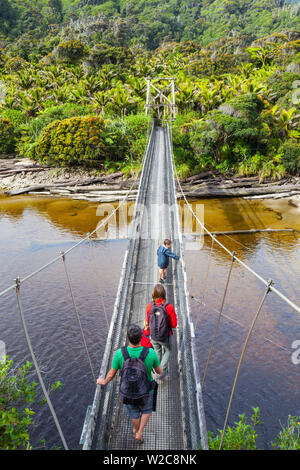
{"x": 193, "y": 384}
{"x": 104, "y": 221}
{"x": 89, "y": 428}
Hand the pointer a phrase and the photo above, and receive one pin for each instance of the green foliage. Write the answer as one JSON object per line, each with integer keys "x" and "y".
{"x": 75, "y": 141}
{"x": 17, "y": 395}
{"x": 242, "y": 436}
{"x": 120, "y": 23}
{"x": 291, "y": 156}
{"x": 289, "y": 437}
{"x": 7, "y": 136}
{"x": 235, "y": 93}
{"x": 15, "y": 116}
{"x": 223, "y": 136}
{"x": 281, "y": 82}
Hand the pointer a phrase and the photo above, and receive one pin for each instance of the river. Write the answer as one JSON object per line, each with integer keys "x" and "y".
{"x": 34, "y": 230}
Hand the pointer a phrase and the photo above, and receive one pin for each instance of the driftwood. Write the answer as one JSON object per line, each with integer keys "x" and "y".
{"x": 253, "y": 230}
{"x": 5, "y": 174}
{"x": 199, "y": 177}
{"x": 211, "y": 192}
{"x": 86, "y": 182}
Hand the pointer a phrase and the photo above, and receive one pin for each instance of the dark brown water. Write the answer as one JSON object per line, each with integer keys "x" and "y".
{"x": 34, "y": 230}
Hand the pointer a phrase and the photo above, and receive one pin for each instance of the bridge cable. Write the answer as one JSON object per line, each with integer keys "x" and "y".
{"x": 205, "y": 280}
{"x": 77, "y": 315}
{"x": 62, "y": 256}
{"x": 260, "y": 278}
{"x": 268, "y": 288}
{"x": 18, "y": 294}
{"x": 97, "y": 276}
{"x": 80, "y": 242}
{"x": 199, "y": 301}
{"x": 219, "y": 318}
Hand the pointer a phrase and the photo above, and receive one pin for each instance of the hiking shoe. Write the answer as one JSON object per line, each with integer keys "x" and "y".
{"x": 161, "y": 281}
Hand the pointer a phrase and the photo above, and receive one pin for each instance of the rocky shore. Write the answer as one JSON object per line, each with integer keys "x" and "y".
{"x": 23, "y": 176}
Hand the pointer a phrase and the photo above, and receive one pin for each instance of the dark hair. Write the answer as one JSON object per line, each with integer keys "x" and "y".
{"x": 159, "y": 292}
{"x": 134, "y": 334}
{"x": 167, "y": 242}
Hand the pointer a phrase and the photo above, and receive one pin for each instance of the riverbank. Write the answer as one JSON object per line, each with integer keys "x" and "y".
{"x": 24, "y": 176}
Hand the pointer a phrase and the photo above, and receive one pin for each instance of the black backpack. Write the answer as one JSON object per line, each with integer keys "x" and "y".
{"x": 135, "y": 384}
{"x": 159, "y": 324}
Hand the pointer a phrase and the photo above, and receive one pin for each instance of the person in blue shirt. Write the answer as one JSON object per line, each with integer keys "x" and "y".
{"x": 164, "y": 253}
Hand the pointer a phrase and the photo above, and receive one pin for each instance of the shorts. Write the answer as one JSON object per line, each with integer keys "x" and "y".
{"x": 135, "y": 412}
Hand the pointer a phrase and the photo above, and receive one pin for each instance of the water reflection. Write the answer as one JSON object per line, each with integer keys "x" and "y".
{"x": 34, "y": 229}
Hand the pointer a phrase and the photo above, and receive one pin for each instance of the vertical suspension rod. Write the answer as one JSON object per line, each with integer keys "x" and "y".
{"x": 77, "y": 315}
{"x": 267, "y": 290}
{"x": 219, "y": 318}
{"x": 18, "y": 294}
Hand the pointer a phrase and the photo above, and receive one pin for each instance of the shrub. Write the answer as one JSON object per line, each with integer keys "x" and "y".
{"x": 17, "y": 394}
{"x": 291, "y": 156}
{"x": 7, "y": 136}
{"x": 15, "y": 116}
{"x": 218, "y": 134}
{"x": 136, "y": 131}
{"x": 79, "y": 141}
{"x": 282, "y": 82}
{"x": 242, "y": 436}
{"x": 70, "y": 51}
{"x": 289, "y": 437}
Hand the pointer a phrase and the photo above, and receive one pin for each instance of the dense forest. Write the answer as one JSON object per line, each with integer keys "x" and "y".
{"x": 73, "y": 82}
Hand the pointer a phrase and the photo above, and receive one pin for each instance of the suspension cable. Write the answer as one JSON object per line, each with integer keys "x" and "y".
{"x": 18, "y": 294}
{"x": 206, "y": 277}
{"x": 219, "y": 318}
{"x": 260, "y": 278}
{"x": 289, "y": 351}
{"x": 77, "y": 315}
{"x": 80, "y": 242}
{"x": 99, "y": 289}
{"x": 268, "y": 288}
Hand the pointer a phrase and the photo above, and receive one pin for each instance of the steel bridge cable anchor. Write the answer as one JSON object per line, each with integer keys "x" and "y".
{"x": 267, "y": 290}
{"x": 36, "y": 366}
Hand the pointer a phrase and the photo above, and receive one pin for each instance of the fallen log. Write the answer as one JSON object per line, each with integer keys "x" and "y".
{"x": 76, "y": 182}
{"x": 238, "y": 192}
{"x": 253, "y": 230}
{"x": 273, "y": 195}
{"x": 197, "y": 177}
{"x": 21, "y": 170}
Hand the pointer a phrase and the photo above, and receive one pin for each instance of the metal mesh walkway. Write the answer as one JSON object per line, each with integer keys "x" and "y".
{"x": 176, "y": 423}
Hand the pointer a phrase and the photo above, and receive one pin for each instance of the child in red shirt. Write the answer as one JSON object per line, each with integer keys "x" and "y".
{"x": 145, "y": 341}
{"x": 162, "y": 348}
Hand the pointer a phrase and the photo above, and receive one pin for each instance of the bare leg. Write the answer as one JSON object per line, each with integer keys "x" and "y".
{"x": 165, "y": 273}
{"x": 143, "y": 421}
{"x": 161, "y": 274}
{"x": 136, "y": 424}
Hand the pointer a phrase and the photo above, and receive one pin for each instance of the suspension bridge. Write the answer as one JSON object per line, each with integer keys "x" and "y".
{"x": 179, "y": 422}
